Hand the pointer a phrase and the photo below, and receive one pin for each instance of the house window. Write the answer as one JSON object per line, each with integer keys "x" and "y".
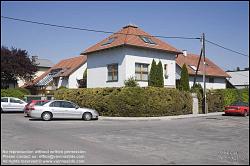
{"x": 211, "y": 80}
{"x": 110, "y": 40}
{"x": 166, "y": 71}
{"x": 141, "y": 72}
{"x": 147, "y": 40}
{"x": 113, "y": 72}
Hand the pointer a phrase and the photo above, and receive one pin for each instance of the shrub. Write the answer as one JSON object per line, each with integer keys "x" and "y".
{"x": 215, "y": 101}
{"x": 184, "y": 81}
{"x": 131, "y": 101}
{"x": 131, "y": 82}
{"x": 62, "y": 87}
{"x": 218, "y": 99}
{"x": 14, "y": 92}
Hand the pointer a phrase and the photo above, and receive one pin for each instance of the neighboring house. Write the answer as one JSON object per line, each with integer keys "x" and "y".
{"x": 42, "y": 66}
{"x": 66, "y": 73}
{"x": 215, "y": 76}
{"x": 122, "y": 55}
{"x": 239, "y": 79}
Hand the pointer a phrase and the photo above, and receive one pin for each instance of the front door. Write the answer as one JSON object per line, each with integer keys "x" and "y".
{"x": 70, "y": 110}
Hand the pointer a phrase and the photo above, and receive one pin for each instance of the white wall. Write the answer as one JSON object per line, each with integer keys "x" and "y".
{"x": 63, "y": 81}
{"x": 78, "y": 74}
{"x": 140, "y": 55}
{"x": 97, "y": 68}
{"x": 219, "y": 82}
{"x": 126, "y": 57}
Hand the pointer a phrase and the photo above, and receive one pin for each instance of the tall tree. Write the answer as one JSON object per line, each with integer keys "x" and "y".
{"x": 15, "y": 63}
{"x": 184, "y": 81}
{"x": 160, "y": 79}
{"x": 152, "y": 81}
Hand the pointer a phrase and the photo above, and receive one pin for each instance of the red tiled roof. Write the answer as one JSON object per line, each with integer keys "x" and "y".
{"x": 192, "y": 59}
{"x": 125, "y": 37}
{"x": 68, "y": 66}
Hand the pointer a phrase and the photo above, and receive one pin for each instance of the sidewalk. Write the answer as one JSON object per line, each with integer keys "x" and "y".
{"x": 161, "y": 118}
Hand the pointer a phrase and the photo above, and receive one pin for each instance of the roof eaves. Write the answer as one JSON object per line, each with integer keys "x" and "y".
{"x": 125, "y": 44}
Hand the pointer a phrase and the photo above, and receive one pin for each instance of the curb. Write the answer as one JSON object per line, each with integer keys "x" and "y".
{"x": 159, "y": 118}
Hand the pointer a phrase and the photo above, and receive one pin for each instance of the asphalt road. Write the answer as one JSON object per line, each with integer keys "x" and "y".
{"x": 203, "y": 140}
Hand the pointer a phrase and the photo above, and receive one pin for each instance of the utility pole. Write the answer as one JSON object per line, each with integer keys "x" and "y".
{"x": 204, "y": 104}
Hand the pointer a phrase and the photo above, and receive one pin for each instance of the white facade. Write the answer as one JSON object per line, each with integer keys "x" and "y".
{"x": 218, "y": 82}
{"x": 76, "y": 75}
{"x": 71, "y": 81}
{"x": 126, "y": 57}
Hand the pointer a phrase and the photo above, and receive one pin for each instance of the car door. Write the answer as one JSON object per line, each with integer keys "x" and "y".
{"x": 16, "y": 104}
{"x": 70, "y": 110}
{"x": 5, "y": 103}
{"x": 57, "y": 110}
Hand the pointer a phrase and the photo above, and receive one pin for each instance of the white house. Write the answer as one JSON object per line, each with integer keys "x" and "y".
{"x": 128, "y": 53}
{"x": 66, "y": 73}
{"x": 215, "y": 76}
{"x": 239, "y": 79}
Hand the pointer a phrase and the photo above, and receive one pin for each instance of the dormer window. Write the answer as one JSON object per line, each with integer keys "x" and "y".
{"x": 193, "y": 67}
{"x": 147, "y": 40}
{"x": 110, "y": 40}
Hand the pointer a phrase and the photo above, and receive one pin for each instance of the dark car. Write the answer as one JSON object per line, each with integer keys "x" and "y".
{"x": 237, "y": 108}
{"x": 30, "y": 106}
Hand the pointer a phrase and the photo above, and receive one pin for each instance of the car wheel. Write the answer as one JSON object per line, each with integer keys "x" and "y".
{"x": 2, "y": 110}
{"x": 87, "y": 116}
{"x": 46, "y": 116}
{"x": 245, "y": 113}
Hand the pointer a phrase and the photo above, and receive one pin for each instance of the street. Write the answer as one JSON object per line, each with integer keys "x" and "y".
{"x": 203, "y": 140}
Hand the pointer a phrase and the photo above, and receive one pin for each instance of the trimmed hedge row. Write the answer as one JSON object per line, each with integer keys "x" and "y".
{"x": 218, "y": 99}
{"x": 15, "y": 92}
{"x": 130, "y": 101}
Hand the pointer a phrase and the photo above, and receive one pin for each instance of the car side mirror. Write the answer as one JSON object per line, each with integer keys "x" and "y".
{"x": 77, "y": 107}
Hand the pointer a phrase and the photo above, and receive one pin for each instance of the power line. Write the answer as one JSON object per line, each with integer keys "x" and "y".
{"x": 110, "y": 32}
{"x": 226, "y": 48}
{"x": 92, "y": 30}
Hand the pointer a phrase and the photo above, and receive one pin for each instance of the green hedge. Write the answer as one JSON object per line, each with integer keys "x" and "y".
{"x": 15, "y": 92}
{"x": 130, "y": 101}
{"x": 218, "y": 99}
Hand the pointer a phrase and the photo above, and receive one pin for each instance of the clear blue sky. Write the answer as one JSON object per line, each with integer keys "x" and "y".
{"x": 226, "y": 23}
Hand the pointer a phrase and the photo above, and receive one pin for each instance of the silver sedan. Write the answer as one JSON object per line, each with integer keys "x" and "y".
{"x": 62, "y": 109}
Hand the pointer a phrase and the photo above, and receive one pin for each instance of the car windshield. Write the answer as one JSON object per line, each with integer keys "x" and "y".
{"x": 239, "y": 103}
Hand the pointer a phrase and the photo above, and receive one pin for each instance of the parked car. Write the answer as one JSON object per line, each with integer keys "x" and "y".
{"x": 30, "y": 106}
{"x": 62, "y": 109}
{"x": 237, "y": 108}
{"x": 12, "y": 104}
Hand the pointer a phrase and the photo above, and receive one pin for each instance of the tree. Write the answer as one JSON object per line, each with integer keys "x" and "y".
{"x": 83, "y": 82}
{"x": 131, "y": 82}
{"x": 152, "y": 81}
{"x": 15, "y": 63}
{"x": 159, "y": 78}
{"x": 184, "y": 81}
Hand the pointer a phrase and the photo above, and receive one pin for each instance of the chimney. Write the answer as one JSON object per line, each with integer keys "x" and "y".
{"x": 130, "y": 25}
{"x": 184, "y": 52}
